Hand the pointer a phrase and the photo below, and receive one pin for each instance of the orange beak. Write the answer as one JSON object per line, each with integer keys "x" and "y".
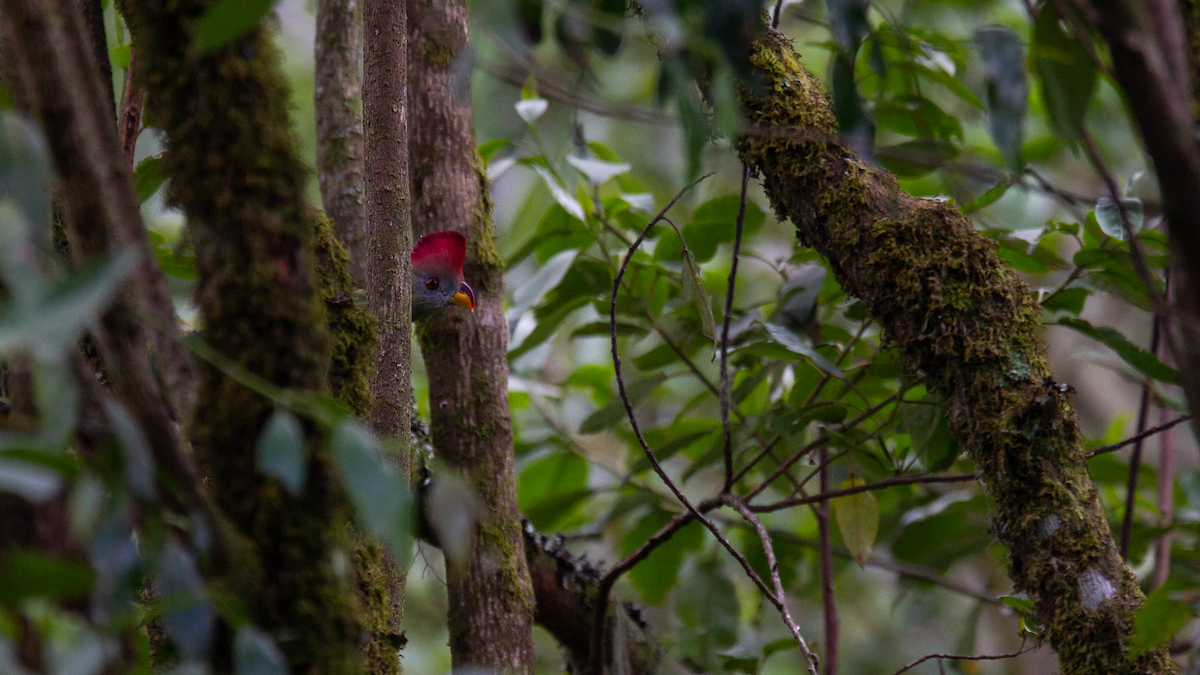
{"x": 465, "y": 297}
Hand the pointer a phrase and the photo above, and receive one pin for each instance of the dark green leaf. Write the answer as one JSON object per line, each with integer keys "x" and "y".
{"x": 614, "y": 412}
{"x": 488, "y": 149}
{"x": 707, "y": 604}
{"x": 915, "y": 158}
{"x": 1067, "y": 300}
{"x": 380, "y": 496}
{"x": 227, "y": 21}
{"x": 281, "y": 452}
{"x": 1161, "y": 617}
{"x": 715, "y": 221}
{"x": 1067, "y": 76}
{"x": 987, "y": 198}
{"x": 794, "y": 344}
{"x": 28, "y": 574}
{"x": 189, "y": 620}
{"x": 1146, "y": 363}
{"x": 1108, "y": 215}
{"x": 1007, "y": 90}
{"x": 562, "y": 473}
{"x": 917, "y": 116}
{"x": 656, "y": 575}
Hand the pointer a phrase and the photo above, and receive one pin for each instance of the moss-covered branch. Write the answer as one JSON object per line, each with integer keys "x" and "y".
{"x": 968, "y": 326}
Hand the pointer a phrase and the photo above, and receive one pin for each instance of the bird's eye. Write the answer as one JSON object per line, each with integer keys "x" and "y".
{"x": 432, "y": 283}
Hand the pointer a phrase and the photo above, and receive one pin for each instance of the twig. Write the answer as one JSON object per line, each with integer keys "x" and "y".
{"x": 778, "y": 599}
{"x": 775, "y": 14}
{"x": 825, "y": 543}
{"x": 966, "y": 657}
{"x": 823, "y": 438}
{"x": 1134, "y": 439}
{"x": 131, "y": 110}
{"x": 879, "y": 485}
{"x": 726, "y": 397}
{"x": 1166, "y": 505}
{"x": 597, "y": 658}
{"x": 1135, "y": 458}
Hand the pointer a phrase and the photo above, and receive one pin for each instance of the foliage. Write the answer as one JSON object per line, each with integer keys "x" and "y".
{"x": 975, "y": 103}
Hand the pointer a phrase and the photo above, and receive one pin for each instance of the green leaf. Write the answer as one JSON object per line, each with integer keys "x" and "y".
{"x": 917, "y": 116}
{"x": 695, "y": 293}
{"x": 120, "y": 56}
{"x": 49, "y": 324}
{"x": 488, "y": 149}
{"x": 927, "y": 423}
{"x": 987, "y": 198}
{"x": 281, "y": 452}
{"x": 794, "y": 344}
{"x": 917, "y": 157}
{"x": 1067, "y": 300}
{"x": 380, "y": 496}
{"x": 548, "y": 479}
{"x": 564, "y": 198}
{"x": 614, "y": 411}
{"x": 714, "y": 222}
{"x": 1146, "y": 363}
{"x": 596, "y": 171}
{"x": 857, "y": 518}
{"x": 1067, "y": 76}
{"x": 1007, "y": 91}
{"x": 544, "y": 280}
{"x": 707, "y": 604}
{"x": 1161, "y": 617}
{"x": 1108, "y": 215}
{"x": 255, "y": 653}
{"x": 227, "y": 21}
{"x": 27, "y": 574}
{"x": 530, "y": 109}
{"x": 657, "y": 574}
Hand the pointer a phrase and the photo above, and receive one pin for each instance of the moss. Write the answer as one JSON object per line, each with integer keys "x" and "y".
{"x": 963, "y": 322}
{"x": 237, "y": 175}
{"x": 351, "y": 327}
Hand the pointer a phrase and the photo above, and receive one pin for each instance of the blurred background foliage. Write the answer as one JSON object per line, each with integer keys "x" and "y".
{"x": 589, "y": 122}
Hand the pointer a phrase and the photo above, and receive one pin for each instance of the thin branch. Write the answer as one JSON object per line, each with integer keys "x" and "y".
{"x": 825, "y": 547}
{"x": 779, "y": 599}
{"x": 130, "y": 120}
{"x": 1135, "y": 458}
{"x": 597, "y": 660}
{"x": 726, "y": 397}
{"x": 1134, "y": 439}
{"x": 966, "y": 657}
{"x": 879, "y": 485}
{"x": 823, "y": 438}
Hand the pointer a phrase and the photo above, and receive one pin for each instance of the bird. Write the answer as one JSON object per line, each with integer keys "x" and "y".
{"x": 437, "y": 274}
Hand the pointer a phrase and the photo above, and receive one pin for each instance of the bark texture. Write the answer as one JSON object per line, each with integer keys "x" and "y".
{"x": 1152, "y": 56}
{"x": 338, "y": 99}
{"x": 466, "y": 354}
{"x": 969, "y": 327}
{"x": 234, "y": 169}
{"x": 389, "y": 243}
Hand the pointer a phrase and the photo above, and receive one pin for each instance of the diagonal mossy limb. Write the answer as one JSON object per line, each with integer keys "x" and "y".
{"x": 963, "y": 321}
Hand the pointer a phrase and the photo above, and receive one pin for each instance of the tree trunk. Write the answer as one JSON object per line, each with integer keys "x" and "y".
{"x": 389, "y": 238}
{"x": 235, "y": 172}
{"x": 968, "y": 326}
{"x": 491, "y": 599}
{"x": 338, "y": 99}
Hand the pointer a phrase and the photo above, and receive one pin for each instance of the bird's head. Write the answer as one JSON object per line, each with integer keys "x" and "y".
{"x": 437, "y": 274}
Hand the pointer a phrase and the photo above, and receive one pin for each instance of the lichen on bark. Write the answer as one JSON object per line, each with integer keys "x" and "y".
{"x": 965, "y": 323}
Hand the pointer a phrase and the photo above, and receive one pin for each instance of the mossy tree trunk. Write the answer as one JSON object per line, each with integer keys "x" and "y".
{"x": 338, "y": 102}
{"x": 388, "y": 236}
{"x": 965, "y": 324}
{"x": 491, "y": 598}
{"x": 234, "y": 169}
